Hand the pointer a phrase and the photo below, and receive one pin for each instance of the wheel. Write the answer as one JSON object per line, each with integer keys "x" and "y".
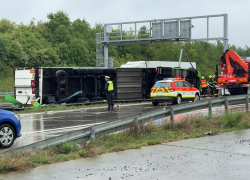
{"x": 7, "y": 135}
{"x": 61, "y": 94}
{"x": 61, "y": 77}
{"x": 196, "y": 98}
{"x": 178, "y": 100}
{"x": 155, "y": 103}
{"x": 193, "y": 70}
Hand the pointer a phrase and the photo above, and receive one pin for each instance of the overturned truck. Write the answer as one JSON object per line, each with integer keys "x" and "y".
{"x": 54, "y": 85}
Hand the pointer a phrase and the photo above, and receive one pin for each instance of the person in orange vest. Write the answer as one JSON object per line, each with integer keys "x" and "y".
{"x": 203, "y": 87}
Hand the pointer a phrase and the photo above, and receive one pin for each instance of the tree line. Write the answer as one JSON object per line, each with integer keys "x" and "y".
{"x": 61, "y": 42}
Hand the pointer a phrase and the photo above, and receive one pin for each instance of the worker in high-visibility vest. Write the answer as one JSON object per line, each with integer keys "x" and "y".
{"x": 203, "y": 87}
{"x": 211, "y": 85}
{"x": 109, "y": 88}
{"x": 215, "y": 83}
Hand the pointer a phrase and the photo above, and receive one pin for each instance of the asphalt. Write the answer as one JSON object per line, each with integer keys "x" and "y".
{"x": 220, "y": 157}
{"x": 40, "y": 126}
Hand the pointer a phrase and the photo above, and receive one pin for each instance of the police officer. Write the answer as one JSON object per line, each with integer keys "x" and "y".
{"x": 211, "y": 85}
{"x": 109, "y": 89}
{"x": 203, "y": 87}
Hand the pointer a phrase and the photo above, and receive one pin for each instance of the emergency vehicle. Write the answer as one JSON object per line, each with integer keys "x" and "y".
{"x": 173, "y": 90}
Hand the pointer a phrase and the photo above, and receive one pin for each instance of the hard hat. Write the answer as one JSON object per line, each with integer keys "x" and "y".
{"x": 107, "y": 77}
{"x": 202, "y": 77}
{"x": 210, "y": 76}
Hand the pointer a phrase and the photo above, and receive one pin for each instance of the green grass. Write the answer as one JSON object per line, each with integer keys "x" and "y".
{"x": 150, "y": 134}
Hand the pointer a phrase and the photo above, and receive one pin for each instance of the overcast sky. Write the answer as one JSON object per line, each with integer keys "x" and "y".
{"x": 112, "y": 11}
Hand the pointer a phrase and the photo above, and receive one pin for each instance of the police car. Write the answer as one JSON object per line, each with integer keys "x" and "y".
{"x": 173, "y": 90}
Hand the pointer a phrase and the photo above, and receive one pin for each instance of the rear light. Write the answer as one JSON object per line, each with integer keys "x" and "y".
{"x": 151, "y": 89}
{"x": 246, "y": 85}
{"x": 156, "y": 69}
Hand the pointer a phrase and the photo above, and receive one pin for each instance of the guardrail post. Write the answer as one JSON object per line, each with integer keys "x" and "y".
{"x": 226, "y": 104}
{"x": 210, "y": 108}
{"x": 136, "y": 124}
{"x": 247, "y": 103}
{"x": 93, "y": 135}
{"x": 172, "y": 117}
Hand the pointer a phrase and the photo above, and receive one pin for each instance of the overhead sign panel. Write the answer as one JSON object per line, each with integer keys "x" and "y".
{"x": 171, "y": 29}
{"x": 185, "y": 29}
{"x": 157, "y": 30}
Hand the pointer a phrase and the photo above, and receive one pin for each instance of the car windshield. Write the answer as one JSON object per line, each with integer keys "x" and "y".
{"x": 162, "y": 84}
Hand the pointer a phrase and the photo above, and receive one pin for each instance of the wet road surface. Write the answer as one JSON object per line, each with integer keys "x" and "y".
{"x": 41, "y": 126}
{"x": 225, "y": 156}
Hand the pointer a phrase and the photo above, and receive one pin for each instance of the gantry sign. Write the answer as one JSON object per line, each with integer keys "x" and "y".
{"x": 160, "y": 30}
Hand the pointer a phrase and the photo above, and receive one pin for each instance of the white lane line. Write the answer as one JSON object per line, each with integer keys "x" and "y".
{"x": 58, "y": 129}
{"x": 49, "y": 118}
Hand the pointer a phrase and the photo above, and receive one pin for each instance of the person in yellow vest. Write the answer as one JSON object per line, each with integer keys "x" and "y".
{"x": 211, "y": 85}
{"x": 109, "y": 89}
{"x": 215, "y": 83}
{"x": 203, "y": 87}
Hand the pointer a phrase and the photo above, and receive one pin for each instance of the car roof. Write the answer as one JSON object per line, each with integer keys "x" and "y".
{"x": 171, "y": 80}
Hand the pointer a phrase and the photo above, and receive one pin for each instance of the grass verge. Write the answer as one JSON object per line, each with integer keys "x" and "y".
{"x": 149, "y": 134}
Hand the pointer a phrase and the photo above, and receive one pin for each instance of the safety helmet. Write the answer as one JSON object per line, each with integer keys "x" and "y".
{"x": 107, "y": 77}
{"x": 210, "y": 76}
{"x": 202, "y": 77}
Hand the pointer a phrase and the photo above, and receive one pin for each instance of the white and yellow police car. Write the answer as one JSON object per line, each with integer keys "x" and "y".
{"x": 173, "y": 90}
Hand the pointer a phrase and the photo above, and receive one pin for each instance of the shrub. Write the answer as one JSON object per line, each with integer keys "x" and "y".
{"x": 68, "y": 147}
{"x": 40, "y": 159}
{"x": 153, "y": 142}
{"x": 82, "y": 152}
{"x": 232, "y": 119}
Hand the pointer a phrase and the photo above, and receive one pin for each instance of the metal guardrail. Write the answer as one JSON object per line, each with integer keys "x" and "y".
{"x": 4, "y": 93}
{"x": 120, "y": 124}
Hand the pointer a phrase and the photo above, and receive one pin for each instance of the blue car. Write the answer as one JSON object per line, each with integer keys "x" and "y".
{"x": 10, "y": 128}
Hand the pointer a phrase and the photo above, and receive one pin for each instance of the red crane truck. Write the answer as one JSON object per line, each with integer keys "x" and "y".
{"x": 236, "y": 73}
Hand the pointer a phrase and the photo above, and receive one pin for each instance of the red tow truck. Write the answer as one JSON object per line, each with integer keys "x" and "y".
{"x": 236, "y": 73}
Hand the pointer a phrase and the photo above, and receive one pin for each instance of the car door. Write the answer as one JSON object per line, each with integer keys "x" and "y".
{"x": 179, "y": 87}
{"x": 189, "y": 91}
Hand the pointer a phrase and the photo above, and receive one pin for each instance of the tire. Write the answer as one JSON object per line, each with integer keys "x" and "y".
{"x": 196, "y": 98}
{"x": 61, "y": 94}
{"x": 61, "y": 77}
{"x": 155, "y": 103}
{"x": 193, "y": 70}
{"x": 7, "y": 135}
{"x": 178, "y": 100}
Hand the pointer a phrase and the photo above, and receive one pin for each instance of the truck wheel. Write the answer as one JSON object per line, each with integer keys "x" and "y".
{"x": 61, "y": 77}
{"x": 155, "y": 103}
{"x": 7, "y": 135}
